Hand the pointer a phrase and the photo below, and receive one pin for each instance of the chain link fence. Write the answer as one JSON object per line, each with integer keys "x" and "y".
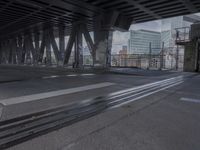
{"x": 168, "y": 62}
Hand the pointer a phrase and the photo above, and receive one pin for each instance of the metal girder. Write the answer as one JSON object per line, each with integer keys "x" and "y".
{"x": 78, "y": 45}
{"x": 32, "y": 49}
{"x": 62, "y": 40}
{"x": 42, "y": 47}
{"x": 19, "y": 49}
{"x": 189, "y": 6}
{"x": 70, "y": 45}
{"x": 27, "y": 50}
{"x": 10, "y": 55}
{"x": 55, "y": 47}
{"x": 37, "y": 42}
{"x": 17, "y": 15}
{"x": 143, "y": 8}
{"x": 83, "y": 5}
{"x": 162, "y": 56}
{"x": 48, "y": 48}
{"x": 14, "y": 53}
{"x": 89, "y": 41}
{"x": 1, "y": 53}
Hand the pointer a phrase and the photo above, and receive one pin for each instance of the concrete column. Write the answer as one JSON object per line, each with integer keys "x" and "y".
{"x": 104, "y": 25}
{"x": 150, "y": 55}
{"x": 10, "y": 56}
{"x": 1, "y": 53}
{"x": 162, "y": 56}
{"x": 23, "y": 50}
{"x": 197, "y": 67}
{"x": 177, "y": 58}
{"x": 37, "y": 43}
{"x": 190, "y": 57}
{"x": 103, "y": 45}
{"x": 78, "y": 49}
{"x": 62, "y": 40}
{"x": 14, "y": 51}
{"x": 57, "y": 53}
{"x": 19, "y": 49}
{"x": 48, "y": 48}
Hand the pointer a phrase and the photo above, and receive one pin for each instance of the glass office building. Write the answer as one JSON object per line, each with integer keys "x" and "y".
{"x": 140, "y": 40}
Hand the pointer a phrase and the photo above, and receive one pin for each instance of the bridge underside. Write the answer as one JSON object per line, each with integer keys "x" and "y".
{"x": 28, "y": 29}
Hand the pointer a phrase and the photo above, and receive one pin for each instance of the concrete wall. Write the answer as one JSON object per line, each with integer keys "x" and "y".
{"x": 190, "y": 57}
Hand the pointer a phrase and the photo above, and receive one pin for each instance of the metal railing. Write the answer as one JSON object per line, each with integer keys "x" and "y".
{"x": 183, "y": 35}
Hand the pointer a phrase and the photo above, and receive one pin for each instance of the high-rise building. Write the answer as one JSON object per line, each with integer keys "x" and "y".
{"x": 139, "y": 42}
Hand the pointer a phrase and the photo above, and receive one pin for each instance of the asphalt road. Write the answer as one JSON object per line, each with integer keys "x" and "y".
{"x": 161, "y": 111}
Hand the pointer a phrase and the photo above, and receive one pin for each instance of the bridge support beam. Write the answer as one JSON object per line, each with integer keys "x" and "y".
{"x": 103, "y": 44}
{"x": 76, "y": 38}
{"x": 104, "y": 25}
{"x": 78, "y": 52}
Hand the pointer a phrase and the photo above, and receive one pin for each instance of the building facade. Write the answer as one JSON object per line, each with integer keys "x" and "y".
{"x": 139, "y": 42}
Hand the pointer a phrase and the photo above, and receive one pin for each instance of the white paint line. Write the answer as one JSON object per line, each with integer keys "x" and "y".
{"x": 141, "y": 88}
{"x": 45, "y": 95}
{"x": 50, "y": 77}
{"x": 87, "y": 74}
{"x": 175, "y": 79}
{"x": 145, "y": 95}
{"x": 72, "y": 75}
{"x": 143, "y": 92}
{"x": 190, "y": 100}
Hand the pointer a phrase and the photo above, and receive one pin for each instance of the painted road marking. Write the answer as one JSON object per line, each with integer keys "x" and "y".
{"x": 69, "y": 75}
{"x": 28, "y": 98}
{"x": 145, "y": 95}
{"x": 51, "y": 77}
{"x": 190, "y": 100}
{"x": 72, "y": 75}
{"x": 89, "y": 74}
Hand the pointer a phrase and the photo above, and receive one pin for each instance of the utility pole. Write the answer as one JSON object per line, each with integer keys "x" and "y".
{"x": 162, "y": 56}
{"x": 177, "y": 57}
{"x": 150, "y": 55}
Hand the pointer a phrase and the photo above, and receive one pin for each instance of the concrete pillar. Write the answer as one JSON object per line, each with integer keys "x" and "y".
{"x": 197, "y": 67}
{"x": 177, "y": 58}
{"x": 103, "y": 44}
{"x": 10, "y": 55}
{"x": 23, "y": 50}
{"x": 57, "y": 53}
{"x": 48, "y": 48}
{"x": 104, "y": 26}
{"x": 14, "y": 52}
{"x": 19, "y": 49}
{"x": 1, "y": 53}
{"x": 78, "y": 49}
{"x": 62, "y": 40}
{"x": 162, "y": 56}
{"x": 150, "y": 55}
{"x": 190, "y": 57}
{"x": 37, "y": 43}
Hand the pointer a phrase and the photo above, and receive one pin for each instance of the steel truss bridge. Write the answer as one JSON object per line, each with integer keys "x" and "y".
{"x": 29, "y": 28}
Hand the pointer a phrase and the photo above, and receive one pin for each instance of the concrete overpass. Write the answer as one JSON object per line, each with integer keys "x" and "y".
{"x": 27, "y": 28}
